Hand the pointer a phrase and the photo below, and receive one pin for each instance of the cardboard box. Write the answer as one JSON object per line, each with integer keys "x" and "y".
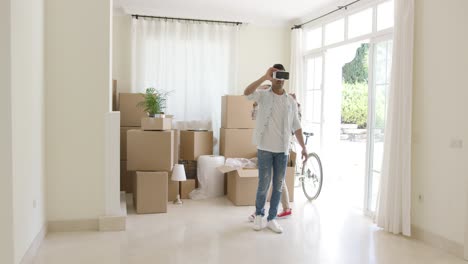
{"x": 150, "y": 150}
{"x": 150, "y": 192}
{"x": 190, "y": 167}
{"x": 114, "y": 95}
{"x": 193, "y": 144}
{"x": 127, "y": 178}
{"x": 236, "y": 112}
{"x": 156, "y": 123}
{"x": 173, "y": 188}
{"x": 242, "y": 186}
{"x": 123, "y": 142}
{"x": 130, "y": 113}
{"x": 176, "y": 145}
{"x": 237, "y": 143}
{"x": 186, "y": 187}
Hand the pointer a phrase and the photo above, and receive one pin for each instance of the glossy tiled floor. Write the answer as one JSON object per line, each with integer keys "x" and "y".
{"x": 215, "y": 231}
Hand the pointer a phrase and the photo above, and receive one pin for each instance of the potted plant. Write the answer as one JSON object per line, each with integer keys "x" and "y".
{"x": 154, "y": 102}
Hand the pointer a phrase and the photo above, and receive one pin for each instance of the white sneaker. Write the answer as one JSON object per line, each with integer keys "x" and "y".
{"x": 258, "y": 223}
{"x": 252, "y": 217}
{"x": 274, "y": 226}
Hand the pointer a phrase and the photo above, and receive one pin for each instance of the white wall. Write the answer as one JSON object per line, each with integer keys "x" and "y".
{"x": 6, "y": 179}
{"x": 439, "y": 115}
{"x": 28, "y": 131}
{"x": 259, "y": 48}
{"x": 78, "y": 89}
{"x": 121, "y": 52}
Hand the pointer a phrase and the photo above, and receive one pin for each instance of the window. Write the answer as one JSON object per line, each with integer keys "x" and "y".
{"x": 334, "y": 32}
{"x": 314, "y": 38}
{"x": 385, "y": 15}
{"x": 360, "y": 23}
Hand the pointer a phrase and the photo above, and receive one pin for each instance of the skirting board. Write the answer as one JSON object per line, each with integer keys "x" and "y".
{"x": 438, "y": 241}
{"x": 112, "y": 223}
{"x": 73, "y": 225}
{"x": 104, "y": 223}
{"x": 29, "y": 256}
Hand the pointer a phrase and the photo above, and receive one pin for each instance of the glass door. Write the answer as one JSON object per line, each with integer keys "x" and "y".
{"x": 313, "y": 94}
{"x": 381, "y": 64}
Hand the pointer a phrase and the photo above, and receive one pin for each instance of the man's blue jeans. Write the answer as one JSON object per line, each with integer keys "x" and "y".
{"x": 268, "y": 161}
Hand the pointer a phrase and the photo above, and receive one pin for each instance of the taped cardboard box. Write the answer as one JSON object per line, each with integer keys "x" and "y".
{"x": 130, "y": 113}
{"x": 236, "y": 112}
{"x": 193, "y": 144}
{"x": 123, "y": 141}
{"x": 151, "y": 192}
{"x": 237, "y": 143}
{"x": 241, "y": 185}
{"x": 156, "y": 123}
{"x": 186, "y": 187}
{"x": 150, "y": 150}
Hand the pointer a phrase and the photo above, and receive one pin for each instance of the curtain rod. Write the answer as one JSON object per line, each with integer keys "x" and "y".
{"x": 331, "y": 12}
{"x": 189, "y": 19}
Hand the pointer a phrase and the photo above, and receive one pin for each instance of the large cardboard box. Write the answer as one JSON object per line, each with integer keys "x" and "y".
{"x": 173, "y": 188}
{"x": 236, "y": 112}
{"x": 156, "y": 123}
{"x": 150, "y": 150}
{"x": 242, "y": 186}
{"x": 237, "y": 143}
{"x": 127, "y": 178}
{"x": 186, "y": 187}
{"x": 130, "y": 113}
{"x": 150, "y": 192}
{"x": 123, "y": 142}
{"x": 176, "y": 145}
{"x": 193, "y": 144}
{"x": 114, "y": 95}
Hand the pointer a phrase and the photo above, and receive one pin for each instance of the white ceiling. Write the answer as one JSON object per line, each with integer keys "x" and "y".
{"x": 264, "y": 12}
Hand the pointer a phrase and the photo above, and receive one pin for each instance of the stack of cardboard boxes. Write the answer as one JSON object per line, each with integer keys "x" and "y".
{"x": 130, "y": 118}
{"x": 236, "y": 142}
{"x": 148, "y": 154}
{"x": 237, "y": 127}
{"x": 193, "y": 144}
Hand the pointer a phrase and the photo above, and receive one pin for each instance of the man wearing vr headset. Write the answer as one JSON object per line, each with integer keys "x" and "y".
{"x": 277, "y": 119}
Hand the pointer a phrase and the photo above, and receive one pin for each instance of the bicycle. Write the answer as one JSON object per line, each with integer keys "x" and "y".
{"x": 311, "y": 173}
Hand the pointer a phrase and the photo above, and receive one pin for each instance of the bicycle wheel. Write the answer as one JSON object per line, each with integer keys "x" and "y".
{"x": 312, "y": 177}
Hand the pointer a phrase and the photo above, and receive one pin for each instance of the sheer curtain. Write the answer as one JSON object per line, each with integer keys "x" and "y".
{"x": 196, "y": 61}
{"x": 394, "y": 202}
{"x": 297, "y": 68}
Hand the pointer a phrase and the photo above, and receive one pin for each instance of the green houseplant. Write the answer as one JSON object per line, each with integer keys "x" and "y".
{"x": 154, "y": 102}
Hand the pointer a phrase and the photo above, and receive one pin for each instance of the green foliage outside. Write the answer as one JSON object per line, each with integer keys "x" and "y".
{"x": 154, "y": 101}
{"x": 355, "y": 89}
{"x": 356, "y": 71}
{"x": 354, "y": 104}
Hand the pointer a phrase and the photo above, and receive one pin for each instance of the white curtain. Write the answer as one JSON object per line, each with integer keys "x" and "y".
{"x": 296, "y": 71}
{"x": 394, "y": 202}
{"x": 196, "y": 61}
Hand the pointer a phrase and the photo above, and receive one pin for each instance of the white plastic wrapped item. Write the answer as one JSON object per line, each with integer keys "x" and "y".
{"x": 239, "y": 163}
{"x": 210, "y": 179}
